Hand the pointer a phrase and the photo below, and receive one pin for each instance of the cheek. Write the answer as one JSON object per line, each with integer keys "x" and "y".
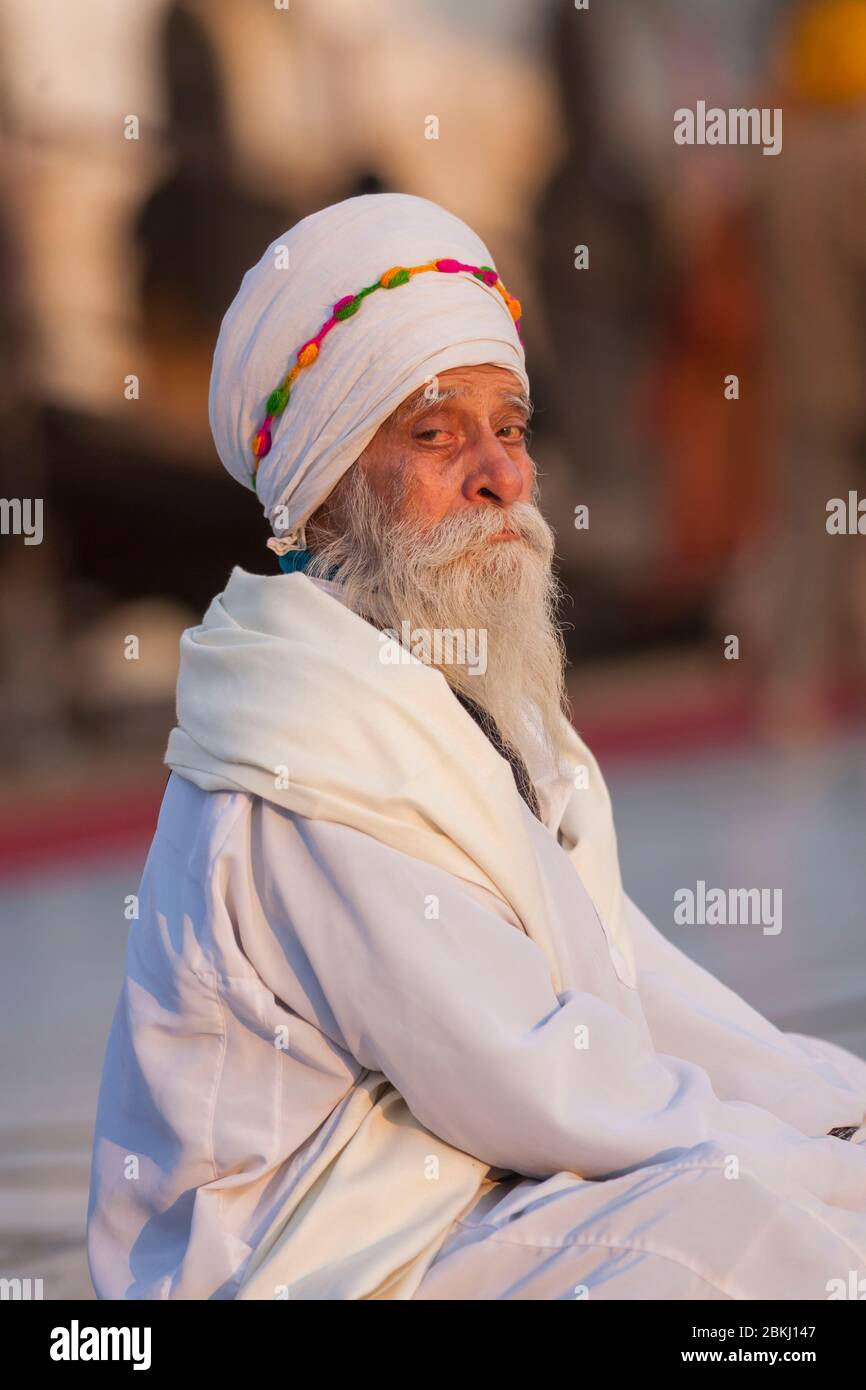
{"x": 430, "y": 491}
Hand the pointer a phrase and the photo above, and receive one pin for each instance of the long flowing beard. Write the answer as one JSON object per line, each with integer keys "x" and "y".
{"x": 452, "y": 578}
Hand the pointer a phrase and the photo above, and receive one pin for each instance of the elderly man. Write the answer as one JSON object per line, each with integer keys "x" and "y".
{"x": 390, "y": 1027}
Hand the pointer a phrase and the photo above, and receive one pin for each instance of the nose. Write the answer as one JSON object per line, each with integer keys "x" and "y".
{"x": 494, "y": 475}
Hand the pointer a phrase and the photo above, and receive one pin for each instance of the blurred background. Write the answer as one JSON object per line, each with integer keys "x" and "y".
{"x": 150, "y": 153}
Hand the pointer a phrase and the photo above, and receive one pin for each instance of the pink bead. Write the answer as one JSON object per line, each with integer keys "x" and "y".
{"x": 448, "y": 266}
{"x": 262, "y": 443}
{"x": 341, "y": 303}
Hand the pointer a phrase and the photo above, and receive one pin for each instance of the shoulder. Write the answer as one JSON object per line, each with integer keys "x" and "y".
{"x": 197, "y": 824}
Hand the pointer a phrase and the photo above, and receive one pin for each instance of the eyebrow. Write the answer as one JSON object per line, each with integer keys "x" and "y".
{"x": 419, "y": 403}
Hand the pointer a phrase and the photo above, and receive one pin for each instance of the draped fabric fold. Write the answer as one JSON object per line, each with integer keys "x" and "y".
{"x": 286, "y": 694}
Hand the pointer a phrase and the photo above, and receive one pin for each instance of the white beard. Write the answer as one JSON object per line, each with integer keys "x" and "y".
{"x": 452, "y": 577}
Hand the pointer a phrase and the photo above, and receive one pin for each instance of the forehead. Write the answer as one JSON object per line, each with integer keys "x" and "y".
{"x": 466, "y": 385}
{"x": 482, "y": 376}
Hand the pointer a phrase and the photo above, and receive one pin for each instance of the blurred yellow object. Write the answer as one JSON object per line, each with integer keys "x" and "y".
{"x": 824, "y": 56}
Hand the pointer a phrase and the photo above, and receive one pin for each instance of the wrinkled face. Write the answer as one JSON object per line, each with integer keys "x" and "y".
{"x": 465, "y": 447}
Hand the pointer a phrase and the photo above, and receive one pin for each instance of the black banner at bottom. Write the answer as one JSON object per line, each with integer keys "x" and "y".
{"x": 75, "y": 1338}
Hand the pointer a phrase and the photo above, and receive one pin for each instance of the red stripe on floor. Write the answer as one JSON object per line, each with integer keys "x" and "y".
{"x": 77, "y": 828}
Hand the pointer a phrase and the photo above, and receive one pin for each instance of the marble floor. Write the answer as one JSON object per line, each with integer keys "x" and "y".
{"x": 734, "y": 819}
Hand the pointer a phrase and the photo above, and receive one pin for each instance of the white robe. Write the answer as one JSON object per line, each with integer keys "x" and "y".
{"x": 629, "y": 1133}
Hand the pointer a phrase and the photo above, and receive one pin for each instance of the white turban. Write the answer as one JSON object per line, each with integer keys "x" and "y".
{"x": 397, "y": 340}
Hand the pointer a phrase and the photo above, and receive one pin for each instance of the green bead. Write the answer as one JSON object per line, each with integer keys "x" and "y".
{"x": 277, "y": 400}
{"x": 401, "y": 278}
{"x": 349, "y": 309}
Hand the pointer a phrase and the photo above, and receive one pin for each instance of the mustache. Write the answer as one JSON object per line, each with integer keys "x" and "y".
{"x": 470, "y": 531}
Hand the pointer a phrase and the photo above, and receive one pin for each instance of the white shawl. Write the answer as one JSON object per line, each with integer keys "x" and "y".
{"x": 284, "y": 692}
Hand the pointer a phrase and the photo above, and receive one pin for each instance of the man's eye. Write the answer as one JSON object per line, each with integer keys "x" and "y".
{"x": 521, "y": 435}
